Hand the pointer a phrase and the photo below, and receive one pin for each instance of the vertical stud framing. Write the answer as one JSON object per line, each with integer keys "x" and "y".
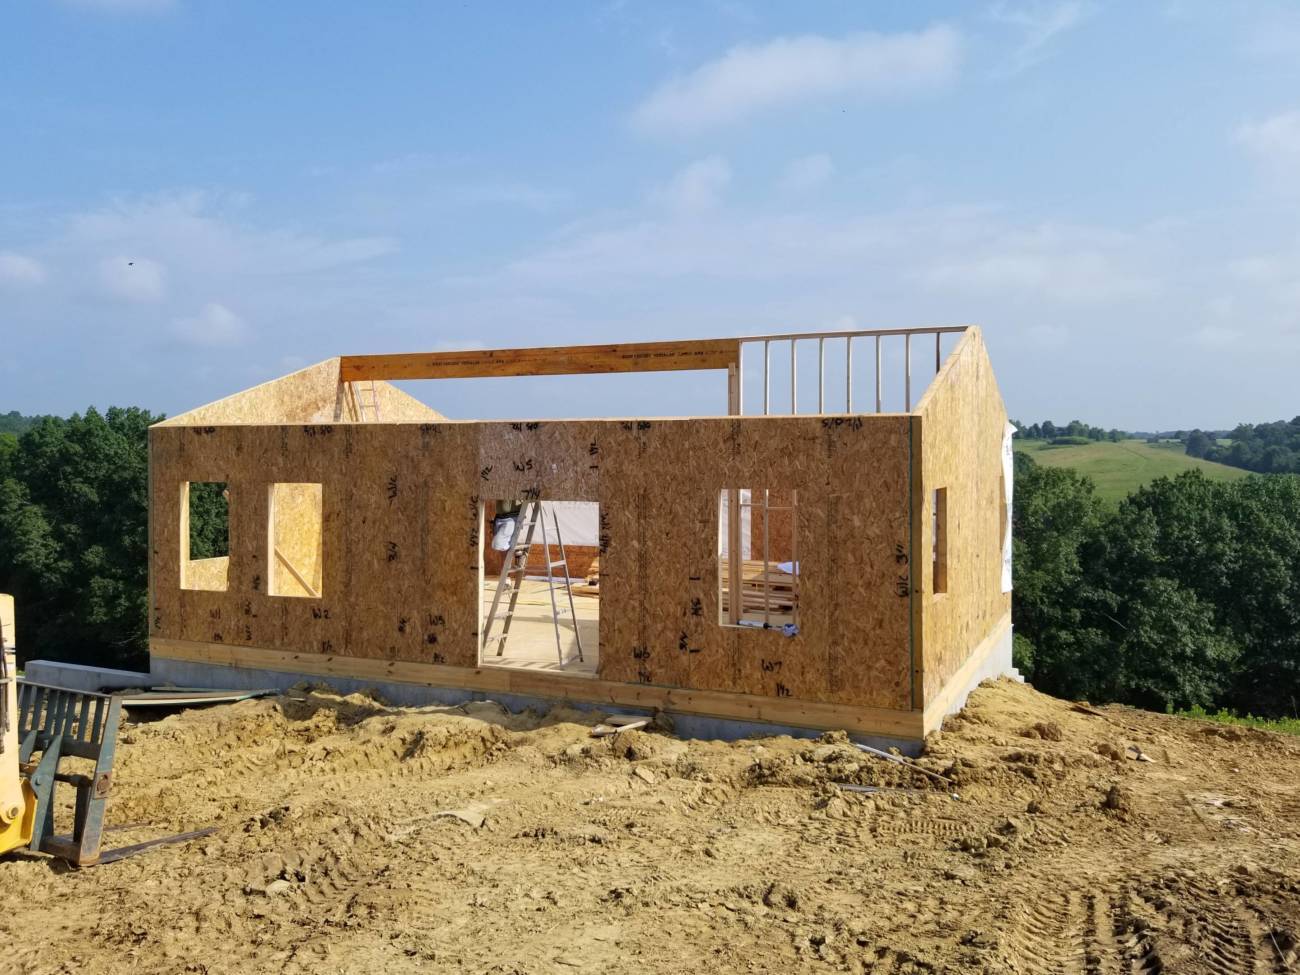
{"x": 878, "y": 380}
{"x": 907, "y": 366}
{"x": 880, "y": 377}
{"x": 767, "y": 374}
{"x": 821, "y": 375}
{"x": 794, "y": 400}
{"x": 848, "y": 374}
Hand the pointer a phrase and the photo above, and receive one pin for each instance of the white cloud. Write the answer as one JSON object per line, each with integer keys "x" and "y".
{"x": 970, "y": 255}
{"x": 750, "y": 79}
{"x": 1261, "y": 268}
{"x": 1272, "y": 277}
{"x": 135, "y": 279}
{"x": 1039, "y": 23}
{"x": 19, "y": 269}
{"x": 506, "y": 194}
{"x": 696, "y": 188}
{"x": 1080, "y": 276}
{"x": 416, "y": 180}
{"x": 1067, "y": 264}
{"x": 808, "y": 172}
{"x": 1275, "y": 139}
{"x": 200, "y": 232}
{"x": 1216, "y": 337}
{"x": 216, "y": 326}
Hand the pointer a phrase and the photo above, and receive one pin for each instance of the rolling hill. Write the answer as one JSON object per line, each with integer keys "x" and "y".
{"x": 1120, "y": 468}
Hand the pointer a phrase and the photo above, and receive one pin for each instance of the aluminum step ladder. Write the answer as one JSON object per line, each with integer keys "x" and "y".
{"x": 514, "y": 568}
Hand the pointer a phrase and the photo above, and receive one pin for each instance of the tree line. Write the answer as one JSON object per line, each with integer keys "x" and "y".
{"x": 1076, "y": 431}
{"x": 14, "y": 423}
{"x": 1186, "y": 594}
{"x": 1267, "y": 448}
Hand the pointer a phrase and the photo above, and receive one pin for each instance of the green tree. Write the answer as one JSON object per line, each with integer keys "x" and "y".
{"x": 1260, "y": 599}
{"x": 74, "y": 536}
{"x": 1198, "y": 444}
{"x": 1144, "y": 605}
{"x": 1056, "y": 517}
{"x": 209, "y": 508}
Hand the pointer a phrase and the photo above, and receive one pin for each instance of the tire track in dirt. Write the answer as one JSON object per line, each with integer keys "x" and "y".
{"x": 1078, "y": 924}
{"x": 1047, "y": 935}
{"x": 1213, "y": 931}
{"x": 887, "y": 961}
{"x": 939, "y": 830}
{"x": 330, "y": 855}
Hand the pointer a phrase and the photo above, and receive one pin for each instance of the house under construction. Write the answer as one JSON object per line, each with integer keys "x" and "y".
{"x": 809, "y": 558}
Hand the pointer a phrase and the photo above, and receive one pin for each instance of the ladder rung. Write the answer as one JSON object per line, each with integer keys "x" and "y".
{"x": 556, "y": 565}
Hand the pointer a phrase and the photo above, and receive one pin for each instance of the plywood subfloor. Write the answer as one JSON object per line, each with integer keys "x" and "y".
{"x": 531, "y": 645}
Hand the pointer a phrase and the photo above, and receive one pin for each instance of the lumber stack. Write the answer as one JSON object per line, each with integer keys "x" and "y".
{"x": 761, "y": 587}
{"x": 591, "y": 585}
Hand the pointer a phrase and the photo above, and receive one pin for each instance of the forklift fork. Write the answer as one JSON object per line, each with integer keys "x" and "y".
{"x": 58, "y": 722}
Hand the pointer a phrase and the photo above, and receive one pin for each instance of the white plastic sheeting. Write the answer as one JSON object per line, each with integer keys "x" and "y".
{"x": 1008, "y": 489}
{"x": 579, "y": 523}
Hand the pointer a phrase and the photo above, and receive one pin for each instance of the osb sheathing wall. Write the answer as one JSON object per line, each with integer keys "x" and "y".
{"x": 310, "y": 395}
{"x": 960, "y": 423}
{"x": 401, "y": 525}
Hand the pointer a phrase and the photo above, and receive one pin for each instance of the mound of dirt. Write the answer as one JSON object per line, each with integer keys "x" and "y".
{"x": 353, "y": 836}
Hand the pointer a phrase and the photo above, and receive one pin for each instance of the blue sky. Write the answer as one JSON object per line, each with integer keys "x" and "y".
{"x": 198, "y": 195}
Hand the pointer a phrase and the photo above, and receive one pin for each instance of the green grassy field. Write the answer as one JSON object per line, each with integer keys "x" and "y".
{"x": 1290, "y": 726}
{"x": 1120, "y": 468}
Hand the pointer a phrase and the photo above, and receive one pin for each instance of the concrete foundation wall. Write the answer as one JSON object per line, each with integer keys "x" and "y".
{"x": 79, "y": 677}
{"x": 189, "y": 674}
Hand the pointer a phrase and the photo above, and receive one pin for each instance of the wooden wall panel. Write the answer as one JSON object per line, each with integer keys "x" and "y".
{"x": 866, "y": 568}
{"x": 384, "y": 525}
{"x": 306, "y": 396}
{"x": 401, "y": 542}
{"x": 671, "y": 545}
{"x": 447, "y": 620}
{"x": 961, "y": 423}
{"x": 546, "y": 459}
{"x": 164, "y": 535}
{"x": 625, "y": 653}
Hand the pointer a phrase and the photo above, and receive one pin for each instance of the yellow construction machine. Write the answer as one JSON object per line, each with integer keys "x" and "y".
{"x": 17, "y": 801}
{"x": 42, "y": 726}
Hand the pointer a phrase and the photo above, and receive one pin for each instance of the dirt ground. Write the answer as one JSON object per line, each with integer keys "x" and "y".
{"x": 644, "y": 853}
